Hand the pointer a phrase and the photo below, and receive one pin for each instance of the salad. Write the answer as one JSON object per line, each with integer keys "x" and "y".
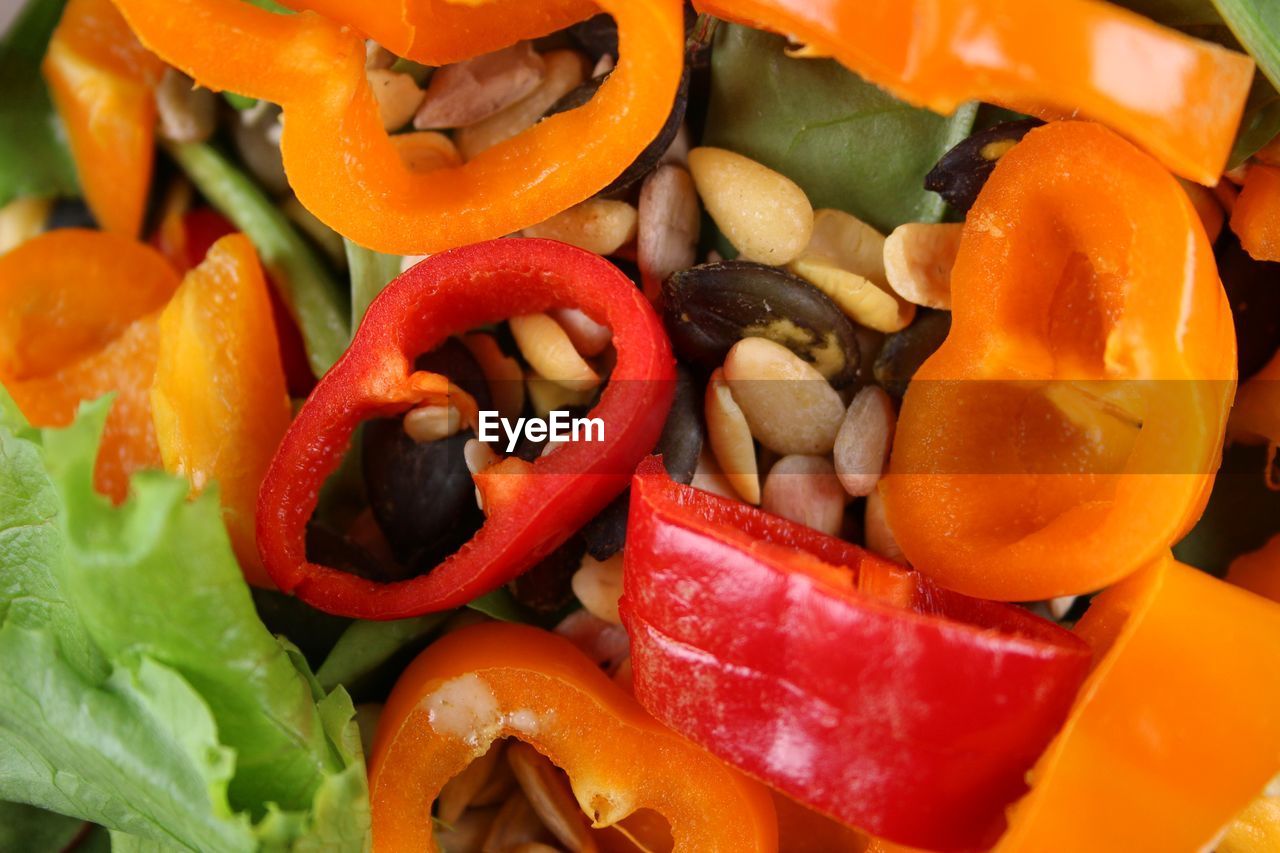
{"x": 634, "y": 426}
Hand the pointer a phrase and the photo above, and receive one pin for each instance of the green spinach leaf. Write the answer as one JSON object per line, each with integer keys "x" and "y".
{"x": 847, "y": 143}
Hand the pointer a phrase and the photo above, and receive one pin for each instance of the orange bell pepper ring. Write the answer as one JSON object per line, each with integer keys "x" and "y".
{"x": 1176, "y": 730}
{"x": 1256, "y": 215}
{"x": 496, "y": 680}
{"x": 437, "y": 32}
{"x": 103, "y": 85}
{"x": 346, "y": 170}
{"x": 1177, "y": 97}
{"x": 78, "y": 319}
{"x": 218, "y": 396}
{"x": 1068, "y": 430}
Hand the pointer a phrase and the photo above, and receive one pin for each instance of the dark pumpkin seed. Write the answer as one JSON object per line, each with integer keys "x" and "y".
{"x": 422, "y": 495}
{"x": 903, "y": 352}
{"x": 649, "y": 158}
{"x": 962, "y": 171}
{"x": 709, "y": 308}
{"x": 1255, "y": 303}
{"x": 680, "y": 443}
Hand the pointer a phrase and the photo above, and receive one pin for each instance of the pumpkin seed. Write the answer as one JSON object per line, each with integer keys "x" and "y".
{"x": 463, "y": 93}
{"x": 598, "y": 585}
{"x": 597, "y": 225}
{"x": 763, "y": 213}
{"x": 432, "y": 423}
{"x": 563, "y": 70}
{"x": 647, "y": 160}
{"x": 549, "y": 351}
{"x": 459, "y": 792}
{"x": 963, "y": 171}
{"x": 789, "y": 406}
{"x": 903, "y": 352}
{"x": 420, "y": 493}
{"x": 515, "y": 823}
{"x": 547, "y": 789}
{"x": 730, "y": 438}
{"x": 862, "y": 444}
{"x": 669, "y": 221}
{"x": 879, "y": 536}
{"x": 397, "y": 94}
{"x": 805, "y": 490}
{"x": 709, "y": 308}
{"x": 185, "y": 112}
{"x": 918, "y": 258}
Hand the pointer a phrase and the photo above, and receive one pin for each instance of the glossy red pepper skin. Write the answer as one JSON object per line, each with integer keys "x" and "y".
{"x": 849, "y": 683}
{"x": 531, "y": 508}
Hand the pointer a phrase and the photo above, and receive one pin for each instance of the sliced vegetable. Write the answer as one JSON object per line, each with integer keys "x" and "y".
{"x": 1256, "y": 216}
{"x": 103, "y": 84}
{"x": 1177, "y": 728}
{"x": 180, "y": 718}
{"x": 428, "y": 31}
{"x": 34, "y": 157}
{"x": 801, "y": 116}
{"x": 920, "y": 729}
{"x": 355, "y": 181}
{"x": 1061, "y": 60}
{"x": 370, "y": 272}
{"x": 219, "y": 397}
{"x": 494, "y": 680}
{"x": 78, "y": 313}
{"x": 1068, "y": 430}
{"x": 308, "y": 289}
{"x": 530, "y": 508}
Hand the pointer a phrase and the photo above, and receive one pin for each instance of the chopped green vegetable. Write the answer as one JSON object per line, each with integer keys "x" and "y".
{"x": 366, "y": 646}
{"x": 1257, "y": 25}
{"x": 310, "y": 290}
{"x": 33, "y": 830}
{"x": 165, "y": 709}
{"x": 847, "y": 143}
{"x": 34, "y": 157}
{"x": 501, "y": 604}
{"x": 370, "y": 272}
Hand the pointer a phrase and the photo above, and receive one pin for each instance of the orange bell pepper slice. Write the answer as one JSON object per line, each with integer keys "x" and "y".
{"x": 496, "y": 680}
{"x": 1256, "y": 215}
{"x": 218, "y": 396}
{"x": 103, "y": 82}
{"x": 78, "y": 319}
{"x": 1178, "y": 97}
{"x": 346, "y": 170}
{"x": 1176, "y": 730}
{"x": 438, "y": 32}
{"x": 1068, "y": 430}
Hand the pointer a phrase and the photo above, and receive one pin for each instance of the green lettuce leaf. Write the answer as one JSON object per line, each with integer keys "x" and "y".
{"x": 847, "y": 143}
{"x": 34, "y": 157}
{"x": 138, "y": 688}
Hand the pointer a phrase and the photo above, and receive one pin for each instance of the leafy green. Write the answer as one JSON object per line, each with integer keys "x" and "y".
{"x": 847, "y": 143}
{"x": 34, "y": 157}
{"x": 366, "y": 646}
{"x": 1256, "y": 23}
{"x": 138, "y": 689}
{"x": 370, "y": 272}
{"x": 311, "y": 292}
{"x": 27, "y": 828}
{"x": 1242, "y": 513}
{"x": 502, "y": 605}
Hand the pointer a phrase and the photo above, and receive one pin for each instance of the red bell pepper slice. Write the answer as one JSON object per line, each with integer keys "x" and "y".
{"x": 531, "y": 508}
{"x": 849, "y": 683}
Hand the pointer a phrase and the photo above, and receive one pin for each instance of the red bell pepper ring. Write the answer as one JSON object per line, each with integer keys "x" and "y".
{"x": 849, "y": 683}
{"x": 531, "y": 508}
